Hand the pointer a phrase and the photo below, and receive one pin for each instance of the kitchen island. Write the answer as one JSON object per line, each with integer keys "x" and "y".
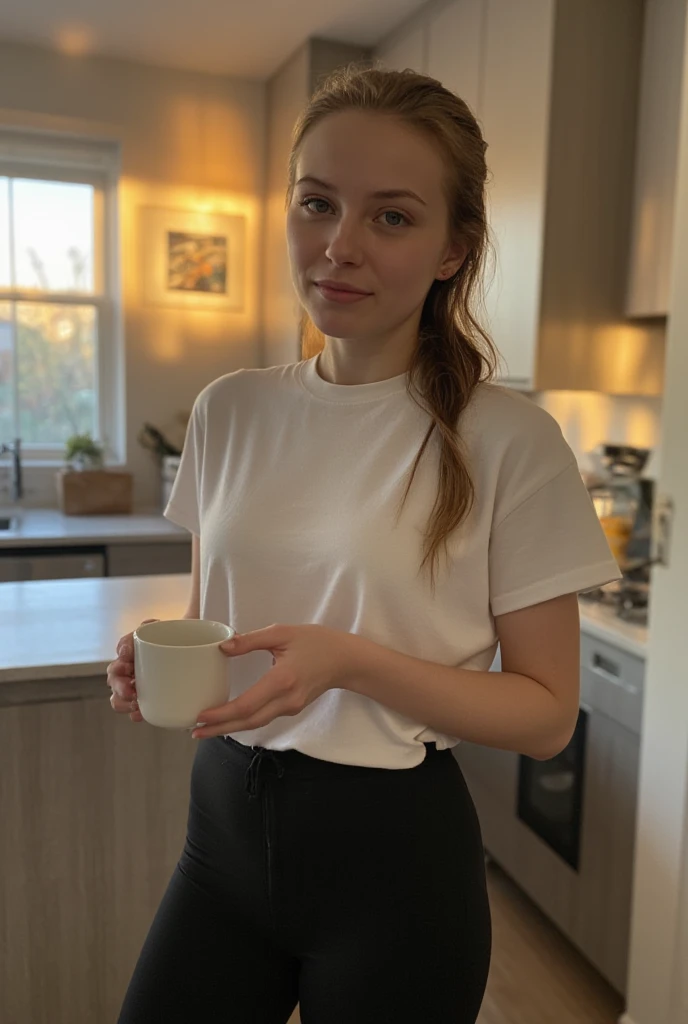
{"x": 93, "y": 806}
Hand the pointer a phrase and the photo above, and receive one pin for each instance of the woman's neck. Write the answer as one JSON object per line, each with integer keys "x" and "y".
{"x": 356, "y": 362}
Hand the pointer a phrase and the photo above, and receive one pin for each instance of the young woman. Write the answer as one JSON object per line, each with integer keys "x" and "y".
{"x": 373, "y": 520}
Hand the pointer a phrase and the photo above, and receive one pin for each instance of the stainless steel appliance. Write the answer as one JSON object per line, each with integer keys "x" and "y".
{"x": 550, "y": 795}
{"x": 624, "y": 502}
{"x": 564, "y": 829}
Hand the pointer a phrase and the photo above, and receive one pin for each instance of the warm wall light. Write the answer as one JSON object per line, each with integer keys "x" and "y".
{"x": 74, "y": 40}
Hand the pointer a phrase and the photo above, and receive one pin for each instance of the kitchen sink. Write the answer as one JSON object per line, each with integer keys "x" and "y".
{"x": 7, "y": 522}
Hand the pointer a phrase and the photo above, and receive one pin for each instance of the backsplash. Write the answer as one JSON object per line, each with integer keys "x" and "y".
{"x": 587, "y": 417}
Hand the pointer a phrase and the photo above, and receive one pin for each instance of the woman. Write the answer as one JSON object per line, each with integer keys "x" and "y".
{"x": 394, "y": 516}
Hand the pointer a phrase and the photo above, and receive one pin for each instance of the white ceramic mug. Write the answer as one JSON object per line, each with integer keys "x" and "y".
{"x": 180, "y": 670}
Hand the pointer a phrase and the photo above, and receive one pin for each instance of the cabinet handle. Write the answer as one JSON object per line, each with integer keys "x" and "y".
{"x": 610, "y": 671}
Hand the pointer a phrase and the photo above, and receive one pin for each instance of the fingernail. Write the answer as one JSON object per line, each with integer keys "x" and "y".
{"x": 126, "y": 649}
{"x": 227, "y": 645}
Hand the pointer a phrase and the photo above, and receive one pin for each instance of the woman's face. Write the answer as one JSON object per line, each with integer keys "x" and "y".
{"x": 368, "y": 213}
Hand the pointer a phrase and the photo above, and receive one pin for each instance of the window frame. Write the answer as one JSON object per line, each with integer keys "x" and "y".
{"x": 48, "y": 157}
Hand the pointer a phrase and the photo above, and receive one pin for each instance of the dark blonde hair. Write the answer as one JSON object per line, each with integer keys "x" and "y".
{"x": 454, "y": 354}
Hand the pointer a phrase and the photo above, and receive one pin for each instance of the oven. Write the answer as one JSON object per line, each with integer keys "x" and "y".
{"x": 550, "y": 795}
{"x": 564, "y": 829}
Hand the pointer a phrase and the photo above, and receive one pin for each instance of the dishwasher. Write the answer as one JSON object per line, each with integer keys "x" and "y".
{"x": 51, "y": 564}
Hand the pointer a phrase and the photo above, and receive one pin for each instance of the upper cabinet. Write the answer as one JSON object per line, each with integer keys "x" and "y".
{"x": 656, "y": 158}
{"x": 555, "y": 86}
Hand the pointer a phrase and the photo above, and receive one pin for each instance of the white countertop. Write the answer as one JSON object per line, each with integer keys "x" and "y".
{"x": 59, "y": 629}
{"x": 49, "y": 527}
{"x": 600, "y": 621}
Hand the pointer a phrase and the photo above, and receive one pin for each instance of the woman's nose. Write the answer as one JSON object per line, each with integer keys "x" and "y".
{"x": 345, "y": 244}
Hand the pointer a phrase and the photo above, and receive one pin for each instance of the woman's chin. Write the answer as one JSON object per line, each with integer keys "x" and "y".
{"x": 339, "y": 325}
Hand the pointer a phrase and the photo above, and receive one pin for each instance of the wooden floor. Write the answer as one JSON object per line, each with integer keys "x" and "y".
{"x": 536, "y": 976}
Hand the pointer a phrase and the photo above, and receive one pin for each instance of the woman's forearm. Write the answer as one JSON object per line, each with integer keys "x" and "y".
{"x": 496, "y": 709}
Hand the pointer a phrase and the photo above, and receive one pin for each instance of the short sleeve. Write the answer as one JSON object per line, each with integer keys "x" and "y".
{"x": 183, "y": 507}
{"x": 551, "y": 544}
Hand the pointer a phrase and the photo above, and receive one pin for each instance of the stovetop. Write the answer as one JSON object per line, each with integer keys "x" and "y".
{"x": 627, "y": 597}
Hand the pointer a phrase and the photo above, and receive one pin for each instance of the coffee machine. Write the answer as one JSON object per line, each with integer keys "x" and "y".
{"x": 623, "y": 500}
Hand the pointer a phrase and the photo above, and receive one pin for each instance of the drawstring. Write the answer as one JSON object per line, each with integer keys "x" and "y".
{"x": 253, "y": 769}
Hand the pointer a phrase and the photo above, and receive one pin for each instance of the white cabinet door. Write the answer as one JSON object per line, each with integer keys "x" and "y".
{"x": 656, "y": 158}
{"x": 405, "y": 49}
{"x": 515, "y": 115}
{"x": 454, "y": 48}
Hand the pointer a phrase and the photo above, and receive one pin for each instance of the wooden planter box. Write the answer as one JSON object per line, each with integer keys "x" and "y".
{"x": 94, "y": 492}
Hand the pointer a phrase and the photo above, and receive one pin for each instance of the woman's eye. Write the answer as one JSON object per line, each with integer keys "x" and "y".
{"x": 316, "y": 205}
{"x": 394, "y": 219}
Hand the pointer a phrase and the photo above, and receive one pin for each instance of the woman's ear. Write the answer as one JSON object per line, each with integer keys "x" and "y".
{"x": 453, "y": 260}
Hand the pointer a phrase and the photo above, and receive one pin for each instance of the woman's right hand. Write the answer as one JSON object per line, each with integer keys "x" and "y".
{"x": 121, "y": 679}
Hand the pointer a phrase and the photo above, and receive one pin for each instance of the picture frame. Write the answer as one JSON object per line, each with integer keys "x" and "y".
{"x": 193, "y": 259}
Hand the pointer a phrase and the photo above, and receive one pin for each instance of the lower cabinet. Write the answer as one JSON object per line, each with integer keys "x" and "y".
{"x": 94, "y": 814}
{"x": 601, "y": 914}
{"x": 149, "y": 559}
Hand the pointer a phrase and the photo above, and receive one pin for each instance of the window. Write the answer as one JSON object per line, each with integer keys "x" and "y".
{"x": 60, "y": 371}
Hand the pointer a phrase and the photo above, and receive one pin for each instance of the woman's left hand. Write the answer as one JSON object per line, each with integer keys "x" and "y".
{"x": 307, "y": 661}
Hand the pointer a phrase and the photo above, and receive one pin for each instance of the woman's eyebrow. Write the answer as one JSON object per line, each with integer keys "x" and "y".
{"x": 388, "y": 193}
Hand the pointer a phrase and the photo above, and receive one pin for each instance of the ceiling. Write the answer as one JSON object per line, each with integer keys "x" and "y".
{"x": 246, "y": 38}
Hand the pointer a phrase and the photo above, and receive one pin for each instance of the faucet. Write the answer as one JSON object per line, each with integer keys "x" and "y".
{"x": 15, "y": 451}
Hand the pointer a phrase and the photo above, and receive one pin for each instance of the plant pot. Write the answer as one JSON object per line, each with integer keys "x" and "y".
{"x": 94, "y": 492}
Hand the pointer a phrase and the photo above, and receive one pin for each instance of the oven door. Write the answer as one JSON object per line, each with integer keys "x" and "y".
{"x": 550, "y": 795}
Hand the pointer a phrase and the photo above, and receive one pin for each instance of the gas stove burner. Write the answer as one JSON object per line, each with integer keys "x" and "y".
{"x": 629, "y": 599}
{"x": 633, "y": 601}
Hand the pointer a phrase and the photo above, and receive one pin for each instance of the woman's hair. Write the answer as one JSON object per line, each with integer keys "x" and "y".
{"x": 454, "y": 354}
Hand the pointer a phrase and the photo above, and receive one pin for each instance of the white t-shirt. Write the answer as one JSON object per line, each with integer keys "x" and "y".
{"x": 292, "y": 484}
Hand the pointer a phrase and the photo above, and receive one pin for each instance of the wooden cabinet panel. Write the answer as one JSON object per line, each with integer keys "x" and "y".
{"x": 656, "y": 158}
{"x": 149, "y": 559}
{"x": 455, "y": 48}
{"x": 94, "y": 815}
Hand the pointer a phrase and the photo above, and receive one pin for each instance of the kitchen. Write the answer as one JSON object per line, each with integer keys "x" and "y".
{"x": 605, "y": 355}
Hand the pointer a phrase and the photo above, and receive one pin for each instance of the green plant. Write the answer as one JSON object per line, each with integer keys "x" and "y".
{"x": 82, "y": 452}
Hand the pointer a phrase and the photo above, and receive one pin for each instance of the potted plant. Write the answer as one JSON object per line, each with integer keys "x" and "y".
{"x": 82, "y": 452}
{"x": 85, "y": 487}
{"x": 166, "y": 448}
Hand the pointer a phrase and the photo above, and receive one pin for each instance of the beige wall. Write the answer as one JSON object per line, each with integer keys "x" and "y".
{"x": 189, "y": 141}
{"x": 587, "y": 418}
{"x": 287, "y": 94}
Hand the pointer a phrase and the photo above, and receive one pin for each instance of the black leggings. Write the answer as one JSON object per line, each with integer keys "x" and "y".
{"x": 357, "y": 892}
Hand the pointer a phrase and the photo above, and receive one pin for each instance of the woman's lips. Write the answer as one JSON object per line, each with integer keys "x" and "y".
{"x": 334, "y": 294}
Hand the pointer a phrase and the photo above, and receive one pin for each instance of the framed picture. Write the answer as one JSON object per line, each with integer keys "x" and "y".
{"x": 193, "y": 260}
